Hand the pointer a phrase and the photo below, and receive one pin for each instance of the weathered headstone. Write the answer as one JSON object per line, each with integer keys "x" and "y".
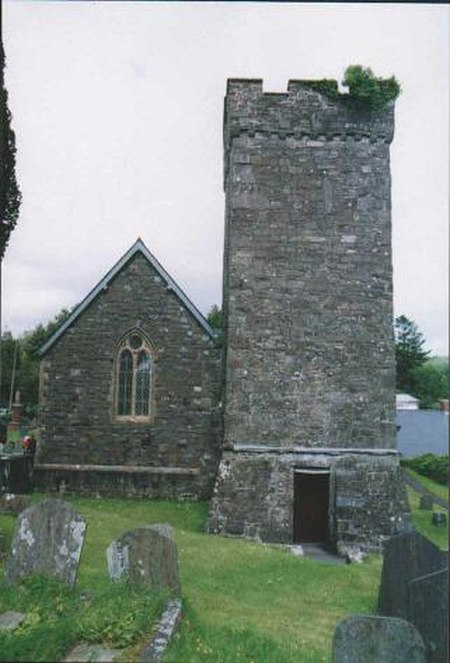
{"x": 10, "y": 620}
{"x": 406, "y": 557}
{"x": 439, "y": 519}
{"x": 428, "y": 611}
{"x": 148, "y": 556}
{"x": 368, "y": 639}
{"x": 48, "y": 539}
{"x": 426, "y": 502}
{"x": 11, "y": 503}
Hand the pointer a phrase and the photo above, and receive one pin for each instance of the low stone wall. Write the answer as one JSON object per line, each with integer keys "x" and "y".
{"x": 120, "y": 481}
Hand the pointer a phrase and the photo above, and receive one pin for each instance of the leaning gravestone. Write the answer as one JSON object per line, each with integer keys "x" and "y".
{"x": 428, "y": 611}
{"x": 146, "y": 556}
{"x": 48, "y": 539}
{"x": 368, "y": 639}
{"x": 406, "y": 557}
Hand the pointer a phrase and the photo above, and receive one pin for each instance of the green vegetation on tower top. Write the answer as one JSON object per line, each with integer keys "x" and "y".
{"x": 365, "y": 90}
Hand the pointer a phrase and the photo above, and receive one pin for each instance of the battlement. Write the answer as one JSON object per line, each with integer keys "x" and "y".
{"x": 308, "y": 109}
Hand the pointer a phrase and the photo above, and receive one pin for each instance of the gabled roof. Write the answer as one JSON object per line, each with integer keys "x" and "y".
{"x": 138, "y": 247}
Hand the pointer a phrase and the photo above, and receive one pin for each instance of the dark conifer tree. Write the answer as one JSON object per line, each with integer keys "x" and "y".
{"x": 409, "y": 352}
{"x": 10, "y": 196}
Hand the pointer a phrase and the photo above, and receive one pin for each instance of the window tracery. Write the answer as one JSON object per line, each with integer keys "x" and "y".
{"x": 134, "y": 376}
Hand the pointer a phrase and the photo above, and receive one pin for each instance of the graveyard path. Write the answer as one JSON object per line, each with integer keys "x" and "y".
{"x": 417, "y": 486}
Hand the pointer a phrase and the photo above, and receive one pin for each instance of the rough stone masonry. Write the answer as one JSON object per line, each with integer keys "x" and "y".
{"x": 309, "y": 362}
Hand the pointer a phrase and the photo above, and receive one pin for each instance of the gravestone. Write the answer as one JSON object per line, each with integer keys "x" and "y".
{"x": 406, "y": 557}
{"x": 10, "y": 620}
{"x": 48, "y": 539}
{"x": 368, "y": 639}
{"x": 428, "y": 611}
{"x": 439, "y": 519}
{"x": 147, "y": 556}
{"x": 426, "y": 502}
{"x": 11, "y": 503}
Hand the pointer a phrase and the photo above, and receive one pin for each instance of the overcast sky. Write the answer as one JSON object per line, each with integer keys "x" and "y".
{"x": 117, "y": 109}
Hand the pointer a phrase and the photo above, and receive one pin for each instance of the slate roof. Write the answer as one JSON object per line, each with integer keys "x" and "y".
{"x": 138, "y": 247}
{"x": 421, "y": 432}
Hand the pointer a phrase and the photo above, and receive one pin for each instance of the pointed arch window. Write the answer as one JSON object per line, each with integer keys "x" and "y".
{"x": 134, "y": 377}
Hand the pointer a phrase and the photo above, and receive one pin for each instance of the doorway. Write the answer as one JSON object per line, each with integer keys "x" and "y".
{"x": 311, "y": 505}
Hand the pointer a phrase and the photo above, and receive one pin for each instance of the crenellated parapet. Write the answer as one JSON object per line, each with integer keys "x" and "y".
{"x": 309, "y": 110}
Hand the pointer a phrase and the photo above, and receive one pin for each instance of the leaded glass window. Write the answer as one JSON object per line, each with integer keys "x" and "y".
{"x": 125, "y": 383}
{"x": 134, "y": 377}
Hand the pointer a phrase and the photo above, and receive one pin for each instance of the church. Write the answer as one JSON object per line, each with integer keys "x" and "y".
{"x": 129, "y": 390}
{"x": 288, "y": 424}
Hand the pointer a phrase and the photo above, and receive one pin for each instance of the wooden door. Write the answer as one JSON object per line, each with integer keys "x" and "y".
{"x": 311, "y": 500}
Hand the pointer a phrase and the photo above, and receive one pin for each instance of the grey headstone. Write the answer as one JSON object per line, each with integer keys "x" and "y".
{"x": 10, "y": 620}
{"x": 439, "y": 519}
{"x": 368, "y": 639}
{"x": 406, "y": 557}
{"x": 428, "y": 611}
{"x": 146, "y": 556}
{"x": 426, "y": 502}
{"x": 48, "y": 539}
{"x": 11, "y": 503}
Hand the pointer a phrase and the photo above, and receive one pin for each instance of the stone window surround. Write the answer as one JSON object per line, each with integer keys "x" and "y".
{"x": 148, "y": 346}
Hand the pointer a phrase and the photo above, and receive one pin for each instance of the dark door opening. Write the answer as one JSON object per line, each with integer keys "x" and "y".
{"x": 311, "y": 499}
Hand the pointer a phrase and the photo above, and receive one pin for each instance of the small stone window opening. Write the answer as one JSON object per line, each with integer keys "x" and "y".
{"x": 134, "y": 373}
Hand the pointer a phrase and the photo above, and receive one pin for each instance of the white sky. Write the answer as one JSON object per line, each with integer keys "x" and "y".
{"x": 117, "y": 109}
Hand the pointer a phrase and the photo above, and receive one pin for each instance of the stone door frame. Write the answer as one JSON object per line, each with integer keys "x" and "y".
{"x": 318, "y": 471}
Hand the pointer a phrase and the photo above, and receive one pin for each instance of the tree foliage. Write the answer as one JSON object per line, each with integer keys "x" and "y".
{"x": 430, "y": 382}
{"x": 429, "y": 465}
{"x": 215, "y": 317}
{"x": 409, "y": 352}
{"x": 368, "y": 91}
{"x": 25, "y": 348}
{"x": 10, "y": 196}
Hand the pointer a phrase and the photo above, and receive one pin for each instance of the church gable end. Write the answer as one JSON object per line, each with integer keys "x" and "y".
{"x": 130, "y": 386}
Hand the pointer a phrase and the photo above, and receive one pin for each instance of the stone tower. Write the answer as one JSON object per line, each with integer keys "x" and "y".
{"x": 309, "y": 419}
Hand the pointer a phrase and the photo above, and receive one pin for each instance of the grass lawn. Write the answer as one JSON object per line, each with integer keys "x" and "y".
{"x": 243, "y": 601}
{"x": 437, "y": 489}
{"x": 422, "y": 518}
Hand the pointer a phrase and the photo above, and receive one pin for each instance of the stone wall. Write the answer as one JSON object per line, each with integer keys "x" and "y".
{"x": 308, "y": 273}
{"x": 77, "y": 395}
{"x": 254, "y": 496}
{"x": 370, "y": 500}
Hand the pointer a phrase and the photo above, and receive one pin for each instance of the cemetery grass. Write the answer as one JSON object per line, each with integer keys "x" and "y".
{"x": 437, "y": 489}
{"x": 422, "y": 518}
{"x": 242, "y": 601}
